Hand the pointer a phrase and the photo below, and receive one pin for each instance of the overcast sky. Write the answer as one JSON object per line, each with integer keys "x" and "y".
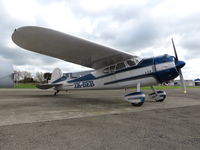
{"x": 140, "y": 27}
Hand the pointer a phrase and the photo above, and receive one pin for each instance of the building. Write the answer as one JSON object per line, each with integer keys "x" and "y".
{"x": 187, "y": 83}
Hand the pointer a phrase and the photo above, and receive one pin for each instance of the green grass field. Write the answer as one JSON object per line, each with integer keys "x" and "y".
{"x": 167, "y": 87}
{"x": 25, "y": 85}
{"x": 33, "y": 85}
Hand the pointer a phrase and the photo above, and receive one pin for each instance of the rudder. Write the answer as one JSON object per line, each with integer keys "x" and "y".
{"x": 56, "y": 74}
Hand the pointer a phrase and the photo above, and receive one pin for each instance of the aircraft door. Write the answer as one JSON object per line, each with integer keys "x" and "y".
{"x": 121, "y": 74}
{"x": 110, "y": 78}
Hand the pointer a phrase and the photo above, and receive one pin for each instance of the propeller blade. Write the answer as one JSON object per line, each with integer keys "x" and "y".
{"x": 176, "y": 56}
{"x": 179, "y": 70}
{"x": 182, "y": 81}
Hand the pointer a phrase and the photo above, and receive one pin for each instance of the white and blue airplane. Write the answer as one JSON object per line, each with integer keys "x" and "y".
{"x": 113, "y": 69}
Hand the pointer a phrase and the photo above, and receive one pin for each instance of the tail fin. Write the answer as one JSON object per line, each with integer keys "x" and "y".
{"x": 56, "y": 74}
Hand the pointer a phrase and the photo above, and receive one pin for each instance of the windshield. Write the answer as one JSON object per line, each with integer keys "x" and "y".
{"x": 121, "y": 65}
{"x": 133, "y": 61}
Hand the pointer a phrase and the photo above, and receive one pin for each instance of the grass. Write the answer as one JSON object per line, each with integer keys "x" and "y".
{"x": 161, "y": 87}
{"x": 25, "y": 85}
{"x": 33, "y": 85}
{"x": 168, "y": 87}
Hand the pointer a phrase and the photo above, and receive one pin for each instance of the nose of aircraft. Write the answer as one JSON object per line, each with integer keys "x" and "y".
{"x": 179, "y": 64}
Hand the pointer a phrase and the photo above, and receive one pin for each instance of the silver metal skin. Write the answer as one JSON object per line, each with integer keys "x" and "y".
{"x": 6, "y": 75}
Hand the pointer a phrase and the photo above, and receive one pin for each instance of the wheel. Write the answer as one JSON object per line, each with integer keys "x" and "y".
{"x": 136, "y": 98}
{"x": 161, "y": 99}
{"x": 161, "y": 96}
{"x": 137, "y": 104}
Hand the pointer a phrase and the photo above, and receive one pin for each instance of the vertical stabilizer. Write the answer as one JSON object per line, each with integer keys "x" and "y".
{"x": 56, "y": 74}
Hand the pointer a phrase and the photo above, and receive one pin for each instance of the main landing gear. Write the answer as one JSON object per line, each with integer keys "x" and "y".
{"x": 138, "y": 98}
{"x": 159, "y": 96}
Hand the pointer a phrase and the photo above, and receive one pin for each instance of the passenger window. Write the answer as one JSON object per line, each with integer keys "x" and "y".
{"x": 106, "y": 70}
{"x": 112, "y": 68}
{"x": 120, "y": 66}
{"x": 130, "y": 62}
{"x": 74, "y": 76}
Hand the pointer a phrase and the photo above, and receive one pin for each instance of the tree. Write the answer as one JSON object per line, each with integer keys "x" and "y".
{"x": 16, "y": 76}
{"x": 39, "y": 77}
{"x": 25, "y": 77}
{"x": 25, "y": 74}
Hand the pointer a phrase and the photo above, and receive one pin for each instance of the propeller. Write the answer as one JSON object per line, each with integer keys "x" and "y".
{"x": 179, "y": 65}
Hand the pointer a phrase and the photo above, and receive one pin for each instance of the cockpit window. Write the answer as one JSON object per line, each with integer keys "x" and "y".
{"x": 106, "y": 70}
{"x": 137, "y": 60}
{"x": 120, "y": 66}
{"x": 74, "y": 75}
{"x": 130, "y": 62}
{"x": 133, "y": 61}
{"x": 112, "y": 68}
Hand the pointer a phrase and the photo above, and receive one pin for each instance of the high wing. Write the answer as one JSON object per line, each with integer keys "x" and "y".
{"x": 67, "y": 47}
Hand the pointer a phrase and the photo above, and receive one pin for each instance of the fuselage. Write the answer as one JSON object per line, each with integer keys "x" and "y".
{"x": 147, "y": 72}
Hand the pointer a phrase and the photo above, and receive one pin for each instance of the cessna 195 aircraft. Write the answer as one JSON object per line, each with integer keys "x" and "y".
{"x": 113, "y": 69}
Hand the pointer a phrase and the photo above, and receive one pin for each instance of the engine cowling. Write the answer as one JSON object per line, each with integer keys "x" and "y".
{"x": 165, "y": 68}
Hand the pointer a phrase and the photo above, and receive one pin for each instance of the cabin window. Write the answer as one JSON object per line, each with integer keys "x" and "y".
{"x": 120, "y": 66}
{"x": 66, "y": 75}
{"x": 112, "y": 68}
{"x": 74, "y": 76}
{"x": 106, "y": 70}
{"x": 130, "y": 62}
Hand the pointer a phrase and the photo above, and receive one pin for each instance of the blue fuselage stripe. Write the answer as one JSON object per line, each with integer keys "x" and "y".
{"x": 158, "y": 75}
{"x": 142, "y": 64}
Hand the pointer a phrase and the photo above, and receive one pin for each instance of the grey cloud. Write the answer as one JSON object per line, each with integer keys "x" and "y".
{"x": 140, "y": 36}
{"x": 193, "y": 48}
{"x": 147, "y": 30}
{"x": 23, "y": 57}
{"x": 138, "y": 29}
{"x": 131, "y": 35}
{"x": 141, "y": 32}
{"x": 124, "y": 12}
{"x": 45, "y": 2}
{"x": 17, "y": 56}
{"x": 189, "y": 30}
